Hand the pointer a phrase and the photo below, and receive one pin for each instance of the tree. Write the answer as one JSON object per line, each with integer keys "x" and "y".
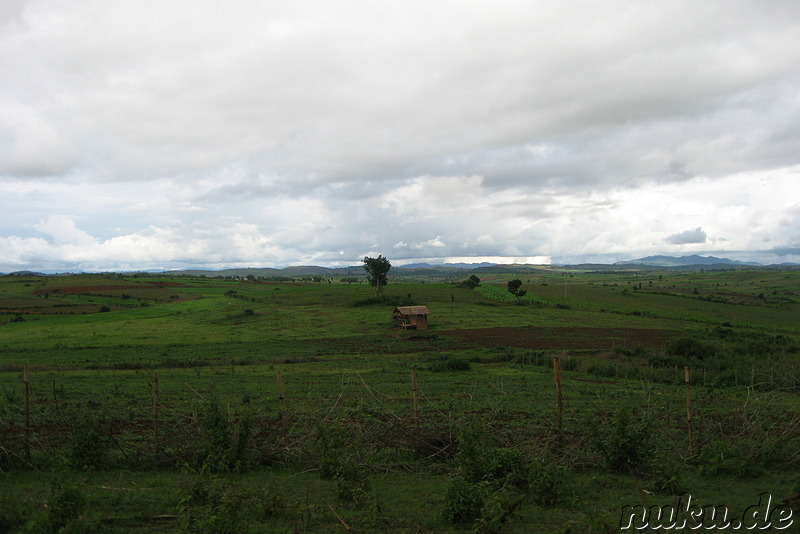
{"x": 514, "y": 288}
{"x": 472, "y": 282}
{"x": 377, "y": 269}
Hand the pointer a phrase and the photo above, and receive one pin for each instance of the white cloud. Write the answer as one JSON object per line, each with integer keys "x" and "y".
{"x": 149, "y": 133}
{"x": 693, "y": 236}
{"x": 63, "y": 230}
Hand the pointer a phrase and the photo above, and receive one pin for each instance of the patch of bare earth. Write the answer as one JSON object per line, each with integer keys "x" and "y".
{"x": 565, "y": 337}
{"x": 100, "y": 289}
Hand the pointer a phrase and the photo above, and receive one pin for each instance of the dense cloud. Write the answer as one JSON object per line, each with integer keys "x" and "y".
{"x": 151, "y": 134}
{"x": 696, "y": 235}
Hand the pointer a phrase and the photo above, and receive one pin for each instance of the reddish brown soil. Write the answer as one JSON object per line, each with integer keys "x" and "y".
{"x": 565, "y": 337}
{"x": 96, "y": 289}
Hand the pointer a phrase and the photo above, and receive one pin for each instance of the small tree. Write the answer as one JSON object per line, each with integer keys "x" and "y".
{"x": 514, "y": 288}
{"x": 472, "y": 282}
{"x": 377, "y": 268}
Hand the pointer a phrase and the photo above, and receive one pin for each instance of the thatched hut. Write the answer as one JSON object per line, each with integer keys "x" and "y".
{"x": 412, "y": 317}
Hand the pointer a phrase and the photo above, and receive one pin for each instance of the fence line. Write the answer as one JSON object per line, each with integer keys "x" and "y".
{"x": 44, "y": 439}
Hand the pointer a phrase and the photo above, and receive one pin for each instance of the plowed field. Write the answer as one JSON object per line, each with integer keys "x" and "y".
{"x": 539, "y": 338}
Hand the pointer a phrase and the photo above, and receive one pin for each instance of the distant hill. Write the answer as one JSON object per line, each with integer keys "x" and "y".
{"x": 268, "y": 272}
{"x": 352, "y": 270}
{"x": 444, "y": 272}
{"x": 694, "y": 259}
{"x": 446, "y": 265}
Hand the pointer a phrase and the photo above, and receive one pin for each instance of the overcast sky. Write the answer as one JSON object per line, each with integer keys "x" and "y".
{"x": 141, "y": 134}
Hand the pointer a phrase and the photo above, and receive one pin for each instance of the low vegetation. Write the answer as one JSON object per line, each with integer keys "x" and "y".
{"x": 156, "y": 404}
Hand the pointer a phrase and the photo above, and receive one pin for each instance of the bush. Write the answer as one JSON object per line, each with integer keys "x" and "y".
{"x": 211, "y": 506}
{"x": 352, "y": 482}
{"x": 336, "y": 453}
{"x": 488, "y": 484}
{"x": 480, "y": 461}
{"x": 463, "y": 500}
{"x": 623, "y": 443}
{"x": 15, "y": 513}
{"x": 690, "y": 348}
{"x": 738, "y": 456}
{"x": 221, "y": 447}
{"x": 331, "y": 447}
{"x": 665, "y": 476}
{"x": 448, "y": 364}
{"x": 88, "y": 446}
{"x": 385, "y": 300}
{"x": 471, "y": 283}
{"x": 66, "y": 504}
{"x": 547, "y": 481}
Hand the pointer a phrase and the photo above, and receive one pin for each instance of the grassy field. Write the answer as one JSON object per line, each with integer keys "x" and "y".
{"x": 158, "y": 404}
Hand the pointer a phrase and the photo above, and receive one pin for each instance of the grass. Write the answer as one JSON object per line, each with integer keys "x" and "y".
{"x": 346, "y": 402}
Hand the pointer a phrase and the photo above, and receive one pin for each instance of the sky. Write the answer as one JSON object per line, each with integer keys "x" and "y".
{"x": 144, "y": 134}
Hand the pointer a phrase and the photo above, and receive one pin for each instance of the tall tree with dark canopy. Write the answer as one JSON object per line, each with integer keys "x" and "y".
{"x": 514, "y": 288}
{"x": 377, "y": 269}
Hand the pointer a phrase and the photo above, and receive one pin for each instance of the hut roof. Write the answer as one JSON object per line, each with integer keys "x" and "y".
{"x": 412, "y": 310}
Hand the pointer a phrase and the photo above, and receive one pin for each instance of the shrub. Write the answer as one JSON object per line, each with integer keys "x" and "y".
{"x": 507, "y": 465}
{"x": 471, "y": 283}
{"x": 15, "y": 513}
{"x": 352, "y": 482}
{"x": 210, "y": 506}
{"x": 478, "y": 460}
{"x": 547, "y": 481}
{"x": 385, "y": 300}
{"x": 665, "y": 476}
{"x": 690, "y": 348}
{"x": 738, "y": 456}
{"x": 623, "y": 443}
{"x": 330, "y": 447}
{"x": 88, "y": 446}
{"x": 450, "y": 364}
{"x": 463, "y": 500}
{"x": 66, "y": 504}
{"x": 488, "y": 485}
{"x": 221, "y": 447}
{"x": 498, "y": 505}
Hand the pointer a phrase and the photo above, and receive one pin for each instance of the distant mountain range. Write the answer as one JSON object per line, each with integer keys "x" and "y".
{"x": 445, "y": 265}
{"x": 449, "y": 271}
{"x": 694, "y": 259}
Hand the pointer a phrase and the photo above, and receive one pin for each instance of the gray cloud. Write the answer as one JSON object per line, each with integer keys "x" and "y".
{"x": 687, "y": 237}
{"x": 526, "y": 128}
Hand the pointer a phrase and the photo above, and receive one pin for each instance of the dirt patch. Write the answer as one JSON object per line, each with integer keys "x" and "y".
{"x": 565, "y": 337}
{"x": 98, "y": 289}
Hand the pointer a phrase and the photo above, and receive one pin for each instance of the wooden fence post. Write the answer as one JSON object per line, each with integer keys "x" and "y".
{"x": 414, "y": 390}
{"x": 282, "y": 400}
{"x": 155, "y": 412}
{"x": 688, "y": 409}
{"x": 26, "y": 380}
{"x": 559, "y": 404}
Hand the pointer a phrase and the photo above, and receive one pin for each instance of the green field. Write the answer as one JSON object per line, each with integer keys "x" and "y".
{"x": 188, "y": 404}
